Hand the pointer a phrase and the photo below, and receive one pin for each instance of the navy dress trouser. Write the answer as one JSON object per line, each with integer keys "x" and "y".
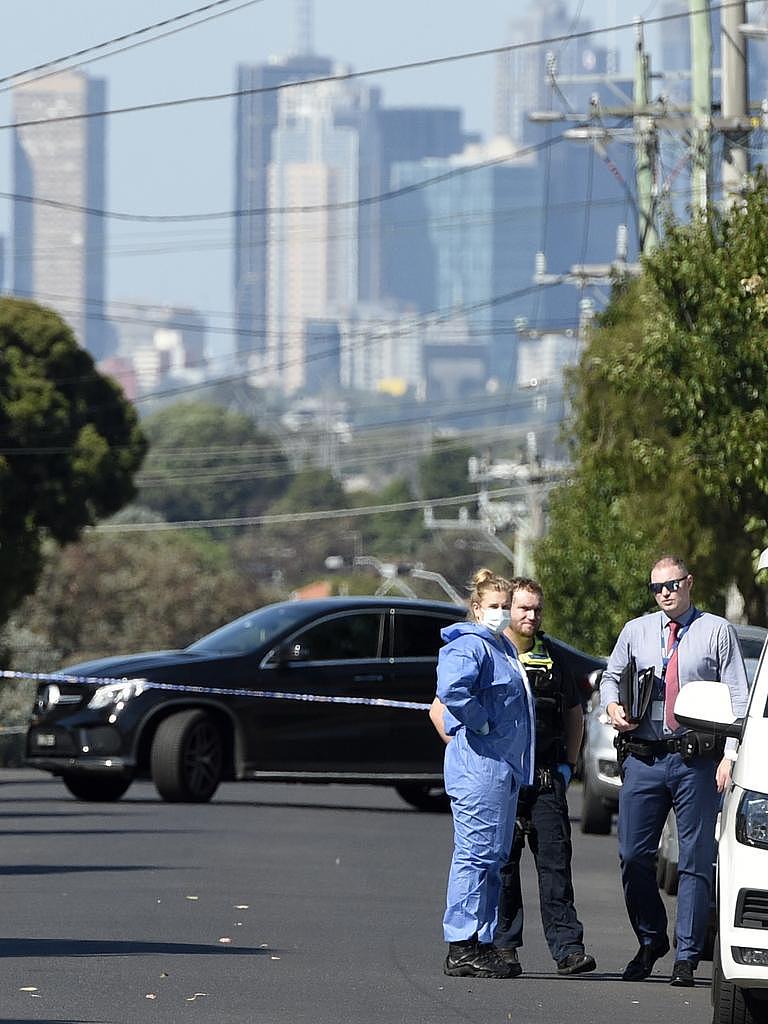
{"x": 645, "y": 798}
{"x": 542, "y": 818}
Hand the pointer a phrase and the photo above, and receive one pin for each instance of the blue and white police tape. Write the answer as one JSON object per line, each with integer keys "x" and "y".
{"x": 147, "y": 684}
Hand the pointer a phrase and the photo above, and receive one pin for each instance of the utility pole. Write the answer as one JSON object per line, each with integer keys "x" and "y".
{"x": 733, "y": 47}
{"x": 701, "y": 100}
{"x": 645, "y": 147}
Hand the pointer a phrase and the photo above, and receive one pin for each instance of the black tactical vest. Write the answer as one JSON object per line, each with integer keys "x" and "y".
{"x": 546, "y": 681}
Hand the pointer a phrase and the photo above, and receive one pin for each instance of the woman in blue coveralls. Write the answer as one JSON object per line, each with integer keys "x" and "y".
{"x": 489, "y": 712}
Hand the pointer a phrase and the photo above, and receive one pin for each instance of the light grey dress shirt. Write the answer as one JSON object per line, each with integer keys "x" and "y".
{"x": 708, "y": 649}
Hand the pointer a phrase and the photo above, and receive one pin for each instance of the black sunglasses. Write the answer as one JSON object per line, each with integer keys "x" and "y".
{"x": 670, "y": 585}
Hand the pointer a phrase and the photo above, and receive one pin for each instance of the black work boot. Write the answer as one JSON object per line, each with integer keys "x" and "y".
{"x": 473, "y": 959}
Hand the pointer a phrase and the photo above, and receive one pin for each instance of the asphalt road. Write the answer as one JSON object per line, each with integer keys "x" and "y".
{"x": 278, "y": 905}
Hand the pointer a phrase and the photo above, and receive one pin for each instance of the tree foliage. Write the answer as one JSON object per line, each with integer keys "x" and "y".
{"x": 69, "y": 443}
{"x": 443, "y": 473}
{"x": 669, "y": 430}
{"x": 121, "y": 593}
{"x": 206, "y": 462}
{"x": 392, "y": 535}
{"x": 294, "y": 548}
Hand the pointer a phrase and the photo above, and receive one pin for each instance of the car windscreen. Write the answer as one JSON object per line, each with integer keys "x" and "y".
{"x": 252, "y": 630}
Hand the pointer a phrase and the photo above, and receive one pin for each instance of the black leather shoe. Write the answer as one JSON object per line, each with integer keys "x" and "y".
{"x": 475, "y": 960}
{"x": 682, "y": 974}
{"x": 641, "y": 965}
{"x": 509, "y": 956}
{"x": 576, "y": 963}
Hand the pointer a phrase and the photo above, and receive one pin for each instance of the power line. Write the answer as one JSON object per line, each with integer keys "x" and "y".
{"x": 300, "y": 517}
{"x": 420, "y": 322}
{"x": 349, "y": 76}
{"x": 347, "y": 204}
{"x": 220, "y": 241}
{"x": 425, "y": 320}
{"x": 25, "y": 74}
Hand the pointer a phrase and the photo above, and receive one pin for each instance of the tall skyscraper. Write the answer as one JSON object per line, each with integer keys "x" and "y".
{"x": 409, "y": 134}
{"x": 259, "y": 90}
{"x": 58, "y": 254}
{"x": 324, "y": 157}
{"x": 466, "y": 242}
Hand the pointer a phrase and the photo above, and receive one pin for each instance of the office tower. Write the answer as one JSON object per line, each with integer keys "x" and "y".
{"x": 466, "y": 234}
{"x": 324, "y": 157}
{"x": 589, "y": 193}
{"x": 382, "y": 350}
{"x": 409, "y": 134}
{"x": 259, "y": 91}
{"x": 522, "y": 74}
{"x": 155, "y": 344}
{"x": 58, "y": 253}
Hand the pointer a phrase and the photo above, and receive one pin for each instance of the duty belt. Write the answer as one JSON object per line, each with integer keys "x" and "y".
{"x": 688, "y": 745}
{"x": 655, "y": 748}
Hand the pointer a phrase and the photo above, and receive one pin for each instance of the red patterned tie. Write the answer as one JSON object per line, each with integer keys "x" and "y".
{"x": 671, "y": 680}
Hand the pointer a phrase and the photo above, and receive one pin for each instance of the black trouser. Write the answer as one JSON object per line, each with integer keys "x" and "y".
{"x": 542, "y": 818}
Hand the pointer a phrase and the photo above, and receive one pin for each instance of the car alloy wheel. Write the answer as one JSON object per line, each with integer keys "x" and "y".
{"x": 187, "y": 758}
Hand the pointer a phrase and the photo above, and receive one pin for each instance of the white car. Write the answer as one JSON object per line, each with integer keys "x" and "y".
{"x": 740, "y": 966}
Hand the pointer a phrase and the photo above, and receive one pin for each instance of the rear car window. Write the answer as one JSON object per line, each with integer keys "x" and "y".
{"x": 418, "y": 636}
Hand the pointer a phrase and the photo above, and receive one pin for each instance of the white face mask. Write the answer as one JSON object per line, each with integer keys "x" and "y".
{"x": 496, "y": 619}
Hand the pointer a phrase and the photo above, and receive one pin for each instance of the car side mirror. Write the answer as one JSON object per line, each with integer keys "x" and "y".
{"x": 706, "y": 705}
{"x": 594, "y": 678}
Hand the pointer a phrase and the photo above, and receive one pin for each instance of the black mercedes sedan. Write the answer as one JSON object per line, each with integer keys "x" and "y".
{"x": 159, "y": 714}
{"x": 300, "y": 691}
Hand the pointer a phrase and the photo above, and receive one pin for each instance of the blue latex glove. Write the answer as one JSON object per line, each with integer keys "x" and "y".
{"x": 567, "y": 773}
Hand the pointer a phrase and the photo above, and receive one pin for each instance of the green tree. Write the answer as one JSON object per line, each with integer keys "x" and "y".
{"x": 297, "y": 544}
{"x": 69, "y": 443}
{"x": 443, "y": 473}
{"x": 669, "y": 430}
{"x": 119, "y": 593}
{"x": 391, "y": 535}
{"x": 206, "y": 462}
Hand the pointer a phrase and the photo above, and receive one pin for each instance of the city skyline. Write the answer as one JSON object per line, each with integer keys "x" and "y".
{"x": 184, "y": 266}
{"x": 189, "y": 167}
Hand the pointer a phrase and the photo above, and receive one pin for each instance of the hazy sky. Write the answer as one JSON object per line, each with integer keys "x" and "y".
{"x": 180, "y": 160}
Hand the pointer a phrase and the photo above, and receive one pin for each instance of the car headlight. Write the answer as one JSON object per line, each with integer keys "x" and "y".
{"x": 116, "y": 693}
{"x": 752, "y": 819}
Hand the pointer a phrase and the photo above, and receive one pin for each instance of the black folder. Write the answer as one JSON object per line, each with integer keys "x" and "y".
{"x": 635, "y": 689}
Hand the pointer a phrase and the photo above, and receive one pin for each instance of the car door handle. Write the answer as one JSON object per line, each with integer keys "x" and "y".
{"x": 368, "y": 679}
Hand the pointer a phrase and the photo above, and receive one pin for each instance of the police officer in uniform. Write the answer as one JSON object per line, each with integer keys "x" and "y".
{"x": 542, "y": 809}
